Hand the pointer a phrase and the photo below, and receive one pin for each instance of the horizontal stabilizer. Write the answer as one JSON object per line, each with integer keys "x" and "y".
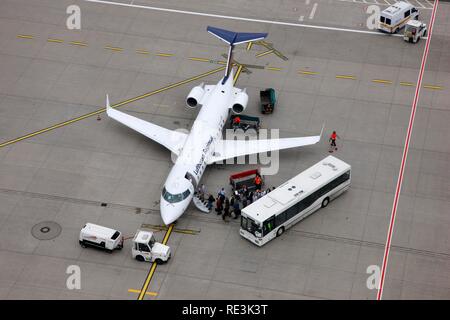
{"x": 233, "y": 38}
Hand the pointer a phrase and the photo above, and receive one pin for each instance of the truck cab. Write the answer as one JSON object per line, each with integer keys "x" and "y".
{"x": 145, "y": 248}
{"x": 414, "y": 30}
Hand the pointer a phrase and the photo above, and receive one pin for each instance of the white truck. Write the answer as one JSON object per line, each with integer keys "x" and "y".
{"x": 393, "y": 18}
{"x": 414, "y": 30}
{"x": 92, "y": 235}
{"x": 145, "y": 248}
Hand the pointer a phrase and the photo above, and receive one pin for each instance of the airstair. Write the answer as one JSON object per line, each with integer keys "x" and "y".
{"x": 201, "y": 205}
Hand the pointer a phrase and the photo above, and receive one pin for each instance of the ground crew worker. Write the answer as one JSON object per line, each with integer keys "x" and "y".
{"x": 236, "y": 122}
{"x": 332, "y": 140}
{"x": 258, "y": 182}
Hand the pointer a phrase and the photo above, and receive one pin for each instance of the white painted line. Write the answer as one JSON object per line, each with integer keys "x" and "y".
{"x": 313, "y": 11}
{"x": 429, "y": 3}
{"x": 420, "y": 4}
{"x": 301, "y": 18}
{"x": 310, "y": 26}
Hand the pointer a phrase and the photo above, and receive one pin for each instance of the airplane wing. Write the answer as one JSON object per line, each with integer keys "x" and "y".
{"x": 226, "y": 149}
{"x": 171, "y": 139}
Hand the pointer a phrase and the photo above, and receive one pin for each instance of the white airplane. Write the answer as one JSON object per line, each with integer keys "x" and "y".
{"x": 204, "y": 144}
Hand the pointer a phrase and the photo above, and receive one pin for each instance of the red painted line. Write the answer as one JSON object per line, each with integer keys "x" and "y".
{"x": 405, "y": 153}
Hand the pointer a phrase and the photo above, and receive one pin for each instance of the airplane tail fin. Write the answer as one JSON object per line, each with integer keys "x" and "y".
{"x": 234, "y": 38}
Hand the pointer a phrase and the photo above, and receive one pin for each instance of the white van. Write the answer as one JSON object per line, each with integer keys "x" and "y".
{"x": 93, "y": 235}
{"x": 396, "y": 16}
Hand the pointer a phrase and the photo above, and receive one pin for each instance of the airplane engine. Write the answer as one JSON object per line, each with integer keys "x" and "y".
{"x": 195, "y": 96}
{"x": 240, "y": 102}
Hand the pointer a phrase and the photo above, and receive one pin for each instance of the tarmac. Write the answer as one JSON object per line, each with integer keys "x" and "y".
{"x": 63, "y": 162}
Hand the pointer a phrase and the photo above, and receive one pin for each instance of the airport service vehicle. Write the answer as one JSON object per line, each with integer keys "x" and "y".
{"x": 294, "y": 200}
{"x": 396, "y": 16}
{"x": 204, "y": 145}
{"x": 145, "y": 248}
{"x": 247, "y": 122}
{"x": 92, "y": 235}
{"x": 247, "y": 178}
{"x": 268, "y": 100}
{"x": 414, "y": 30}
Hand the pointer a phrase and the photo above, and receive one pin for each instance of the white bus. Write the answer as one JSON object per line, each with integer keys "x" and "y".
{"x": 294, "y": 200}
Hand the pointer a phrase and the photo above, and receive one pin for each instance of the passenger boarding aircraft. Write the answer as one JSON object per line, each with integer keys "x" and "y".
{"x": 204, "y": 144}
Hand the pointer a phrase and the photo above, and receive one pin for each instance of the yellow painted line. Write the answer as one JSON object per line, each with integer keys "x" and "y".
{"x": 153, "y": 267}
{"x": 238, "y": 73}
{"x": 113, "y": 48}
{"x": 94, "y": 113}
{"x": 345, "y": 77}
{"x": 164, "y": 228}
{"x": 249, "y": 46}
{"x": 150, "y": 293}
{"x": 78, "y": 43}
{"x": 273, "y": 69}
{"x": 164, "y": 54}
{"x": 408, "y": 84}
{"x": 199, "y": 59}
{"x": 308, "y": 72}
{"x": 25, "y": 36}
{"x": 55, "y": 40}
{"x": 142, "y": 51}
{"x": 427, "y": 86}
{"x": 382, "y": 81}
{"x": 264, "y": 53}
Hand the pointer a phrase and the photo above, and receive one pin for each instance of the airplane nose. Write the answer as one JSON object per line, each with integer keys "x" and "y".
{"x": 170, "y": 212}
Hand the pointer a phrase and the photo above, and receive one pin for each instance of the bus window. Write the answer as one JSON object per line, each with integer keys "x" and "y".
{"x": 291, "y": 212}
{"x": 381, "y": 19}
{"x": 407, "y": 13}
{"x": 280, "y": 219}
{"x": 249, "y": 225}
{"x": 268, "y": 225}
{"x": 388, "y": 21}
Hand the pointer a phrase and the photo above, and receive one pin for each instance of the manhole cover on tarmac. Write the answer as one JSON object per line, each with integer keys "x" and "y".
{"x": 46, "y": 230}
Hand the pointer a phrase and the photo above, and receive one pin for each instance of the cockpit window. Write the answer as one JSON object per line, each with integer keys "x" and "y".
{"x": 173, "y": 198}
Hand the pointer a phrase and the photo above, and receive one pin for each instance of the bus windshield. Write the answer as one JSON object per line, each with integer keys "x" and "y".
{"x": 251, "y": 226}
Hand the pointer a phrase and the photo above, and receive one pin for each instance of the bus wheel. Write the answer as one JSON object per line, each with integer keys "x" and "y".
{"x": 140, "y": 258}
{"x": 325, "y": 202}
{"x": 82, "y": 244}
{"x": 280, "y": 231}
{"x": 158, "y": 261}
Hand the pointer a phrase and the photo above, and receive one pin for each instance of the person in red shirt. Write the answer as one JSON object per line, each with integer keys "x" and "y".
{"x": 332, "y": 140}
{"x": 258, "y": 182}
{"x": 236, "y": 122}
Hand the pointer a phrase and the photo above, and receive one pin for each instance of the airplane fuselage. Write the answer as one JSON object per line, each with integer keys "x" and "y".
{"x": 198, "y": 147}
